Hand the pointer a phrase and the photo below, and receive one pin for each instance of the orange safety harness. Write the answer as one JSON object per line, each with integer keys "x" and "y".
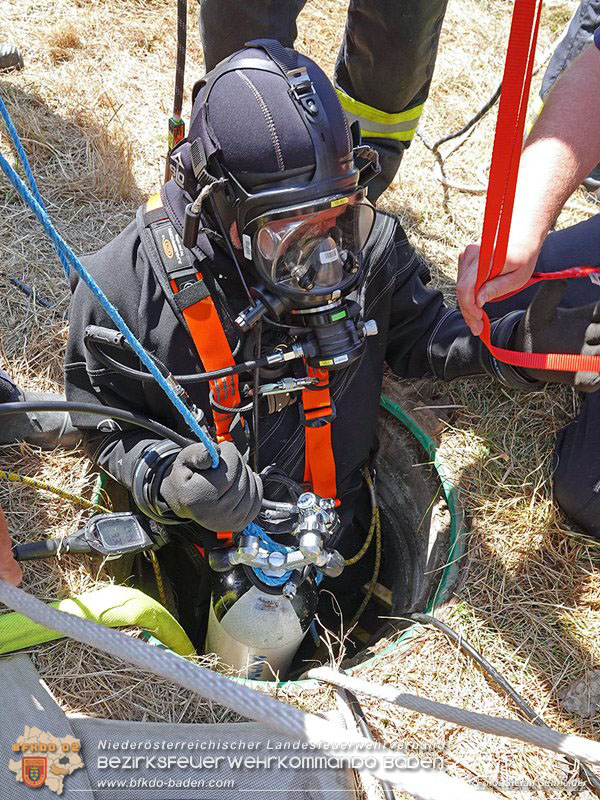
{"x": 213, "y": 349}
{"x": 203, "y": 324}
{"x": 504, "y": 169}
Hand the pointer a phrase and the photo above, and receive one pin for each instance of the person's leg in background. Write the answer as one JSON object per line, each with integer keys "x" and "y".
{"x": 226, "y": 25}
{"x": 384, "y": 72}
{"x": 577, "y": 467}
{"x": 580, "y": 33}
{"x": 577, "y": 452}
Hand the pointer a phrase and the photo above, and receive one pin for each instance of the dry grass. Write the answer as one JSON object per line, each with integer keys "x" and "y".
{"x": 91, "y": 105}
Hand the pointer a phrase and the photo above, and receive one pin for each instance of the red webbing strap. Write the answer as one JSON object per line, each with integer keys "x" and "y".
{"x": 215, "y": 353}
{"x": 537, "y": 277}
{"x": 504, "y": 170}
{"x": 319, "y": 469}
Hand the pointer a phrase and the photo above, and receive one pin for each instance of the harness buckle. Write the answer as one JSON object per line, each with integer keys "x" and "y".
{"x": 303, "y": 90}
{"x": 184, "y": 277}
{"x": 318, "y": 417}
{"x": 223, "y": 388}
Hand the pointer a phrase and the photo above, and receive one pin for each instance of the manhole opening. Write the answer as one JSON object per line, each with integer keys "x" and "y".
{"x": 416, "y": 544}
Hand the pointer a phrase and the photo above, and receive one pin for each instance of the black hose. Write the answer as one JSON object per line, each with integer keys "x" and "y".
{"x": 255, "y": 399}
{"x": 274, "y": 474}
{"x": 199, "y": 377}
{"x": 434, "y": 147}
{"x": 32, "y": 551}
{"x": 46, "y": 548}
{"x": 229, "y": 409}
{"x": 107, "y": 412}
{"x": 355, "y": 707}
{"x": 500, "y": 681}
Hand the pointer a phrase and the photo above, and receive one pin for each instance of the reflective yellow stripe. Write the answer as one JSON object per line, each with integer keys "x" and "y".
{"x": 359, "y": 109}
{"x": 153, "y": 202}
{"x": 401, "y": 136}
{"x": 379, "y": 124}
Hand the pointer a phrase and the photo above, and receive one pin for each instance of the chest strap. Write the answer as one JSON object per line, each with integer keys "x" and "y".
{"x": 317, "y": 415}
{"x": 196, "y": 304}
{"x": 199, "y": 311}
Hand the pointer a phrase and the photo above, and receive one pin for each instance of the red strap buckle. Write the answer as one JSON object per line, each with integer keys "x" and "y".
{"x": 318, "y": 417}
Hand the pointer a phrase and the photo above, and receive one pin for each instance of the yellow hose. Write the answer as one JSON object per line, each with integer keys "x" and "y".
{"x": 14, "y": 477}
{"x": 376, "y": 567}
{"x": 356, "y": 558}
{"x": 376, "y": 524}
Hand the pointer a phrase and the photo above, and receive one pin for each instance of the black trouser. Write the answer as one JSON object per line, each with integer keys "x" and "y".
{"x": 577, "y": 454}
{"x": 384, "y": 66}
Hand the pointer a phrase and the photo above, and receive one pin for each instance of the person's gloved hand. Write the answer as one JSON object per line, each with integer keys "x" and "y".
{"x": 223, "y": 499}
{"x": 9, "y": 569}
{"x": 545, "y": 328}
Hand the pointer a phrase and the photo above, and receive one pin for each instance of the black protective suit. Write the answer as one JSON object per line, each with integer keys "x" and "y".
{"x": 418, "y": 335}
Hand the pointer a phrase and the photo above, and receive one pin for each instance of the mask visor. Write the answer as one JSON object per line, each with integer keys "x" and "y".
{"x": 314, "y": 249}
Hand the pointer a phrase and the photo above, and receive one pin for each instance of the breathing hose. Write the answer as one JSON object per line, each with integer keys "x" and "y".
{"x": 198, "y": 377}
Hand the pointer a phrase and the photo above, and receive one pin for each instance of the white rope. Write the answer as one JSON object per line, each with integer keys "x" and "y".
{"x": 565, "y": 744}
{"x": 288, "y": 721}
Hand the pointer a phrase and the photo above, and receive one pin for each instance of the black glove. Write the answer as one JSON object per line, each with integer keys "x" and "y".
{"x": 545, "y": 328}
{"x": 223, "y": 499}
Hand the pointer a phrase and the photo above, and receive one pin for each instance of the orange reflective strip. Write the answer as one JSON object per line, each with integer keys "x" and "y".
{"x": 319, "y": 466}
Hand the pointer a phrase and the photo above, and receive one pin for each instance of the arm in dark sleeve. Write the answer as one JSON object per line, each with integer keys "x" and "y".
{"x": 428, "y": 339}
{"x": 117, "y": 271}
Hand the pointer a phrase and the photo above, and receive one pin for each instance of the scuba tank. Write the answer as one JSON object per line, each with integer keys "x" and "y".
{"x": 257, "y": 633}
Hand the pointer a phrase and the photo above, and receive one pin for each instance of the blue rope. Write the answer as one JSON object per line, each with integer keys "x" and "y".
{"x": 255, "y": 530}
{"x": 20, "y": 152}
{"x": 67, "y": 257}
{"x": 25, "y": 162}
{"x": 63, "y": 248}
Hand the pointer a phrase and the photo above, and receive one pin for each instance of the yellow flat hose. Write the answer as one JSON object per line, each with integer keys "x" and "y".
{"x": 113, "y": 606}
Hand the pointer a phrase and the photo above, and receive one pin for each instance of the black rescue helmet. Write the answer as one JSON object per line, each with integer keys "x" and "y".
{"x": 268, "y": 124}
